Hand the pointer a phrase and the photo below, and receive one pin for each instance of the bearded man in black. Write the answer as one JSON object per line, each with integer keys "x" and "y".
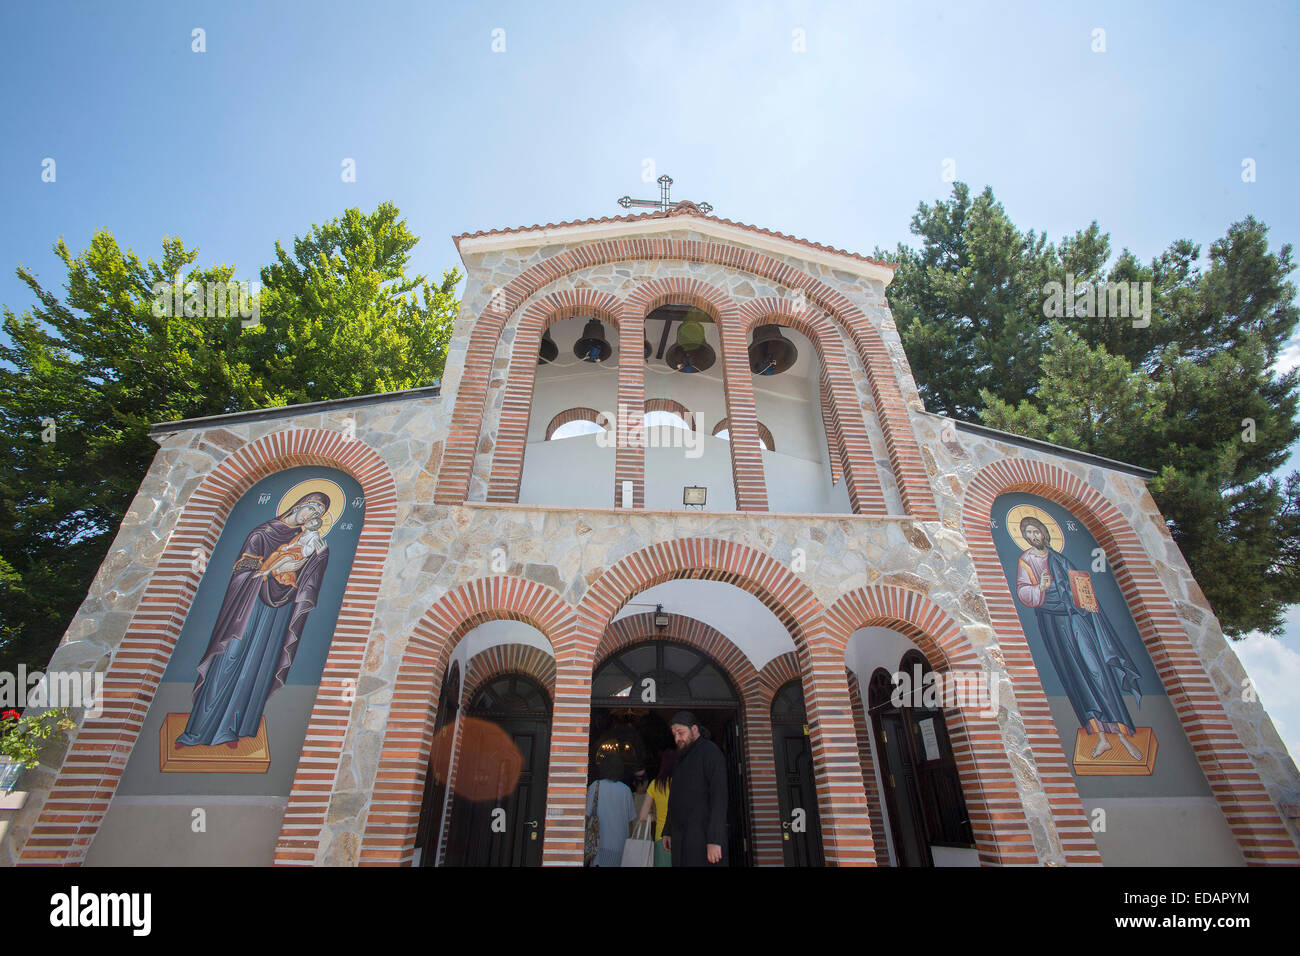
{"x": 695, "y": 832}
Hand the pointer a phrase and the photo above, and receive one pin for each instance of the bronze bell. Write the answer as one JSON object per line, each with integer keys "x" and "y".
{"x": 592, "y": 347}
{"x": 549, "y": 351}
{"x": 771, "y": 353}
{"x": 691, "y": 353}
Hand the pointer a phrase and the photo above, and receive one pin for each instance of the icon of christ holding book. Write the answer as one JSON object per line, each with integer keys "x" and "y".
{"x": 1088, "y": 656}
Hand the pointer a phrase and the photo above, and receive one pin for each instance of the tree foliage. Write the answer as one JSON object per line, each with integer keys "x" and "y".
{"x": 84, "y": 371}
{"x": 1194, "y": 395}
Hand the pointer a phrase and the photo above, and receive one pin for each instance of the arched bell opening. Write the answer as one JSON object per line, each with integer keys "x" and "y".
{"x": 791, "y": 401}
{"x": 580, "y": 376}
{"x": 683, "y": 393}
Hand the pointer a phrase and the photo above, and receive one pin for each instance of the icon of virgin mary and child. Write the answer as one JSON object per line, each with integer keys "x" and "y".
{"x": 274, "y": 587}
{"x": 1086, "y": 652}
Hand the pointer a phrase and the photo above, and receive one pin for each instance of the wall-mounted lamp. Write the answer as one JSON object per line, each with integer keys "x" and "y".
{"x": 694, "y": 495}
{"x": 661, "y": 617}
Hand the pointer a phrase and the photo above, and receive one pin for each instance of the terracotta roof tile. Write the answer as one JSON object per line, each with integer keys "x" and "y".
{"x": 684, "y": 208}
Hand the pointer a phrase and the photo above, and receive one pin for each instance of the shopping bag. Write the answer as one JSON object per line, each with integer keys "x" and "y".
{"x": 639, "y": 850}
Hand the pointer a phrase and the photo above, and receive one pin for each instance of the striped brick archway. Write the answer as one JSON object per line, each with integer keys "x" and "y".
{"x": 492, "y": 662}
{"x": 839, "y": 783}
{"x": 516, "y": 406}
{"x": 1259, "y": 829}
{"x": 393, "y": 815}
{"x": 75, "y": 808}
{"x": 755, "y": 700}
{"x": 988, "y": 782}
{"x": 467, "y": 418}
{"x": 849, "y": 450}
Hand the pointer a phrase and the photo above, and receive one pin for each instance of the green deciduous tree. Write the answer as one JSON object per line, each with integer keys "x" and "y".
{"x": 84, "y": 372}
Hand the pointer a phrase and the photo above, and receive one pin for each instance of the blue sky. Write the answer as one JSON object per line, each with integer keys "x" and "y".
{"x": 237, "y": 146}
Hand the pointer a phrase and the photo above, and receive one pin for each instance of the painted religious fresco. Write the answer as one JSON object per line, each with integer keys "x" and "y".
{"x": 1109, "y": 705}
{"x": 232, "y": 710}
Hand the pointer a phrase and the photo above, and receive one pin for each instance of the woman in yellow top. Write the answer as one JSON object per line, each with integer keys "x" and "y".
{"x": 657, "y": 800}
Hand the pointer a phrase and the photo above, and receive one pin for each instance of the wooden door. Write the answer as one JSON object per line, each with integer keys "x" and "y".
{"x": 922, "y": 785}
{"x": 506, "y": 829}
{"x": 801, "y": 832}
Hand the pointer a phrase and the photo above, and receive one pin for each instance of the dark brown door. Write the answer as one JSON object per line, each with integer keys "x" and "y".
{"x": 506, "y": 828}
{"x": 801, "y": 832}
{"x": 922, "y": 786}
{"x": 902, "y": 798}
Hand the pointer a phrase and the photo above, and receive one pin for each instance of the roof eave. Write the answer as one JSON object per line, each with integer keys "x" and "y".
{"x": 617, "y": 227}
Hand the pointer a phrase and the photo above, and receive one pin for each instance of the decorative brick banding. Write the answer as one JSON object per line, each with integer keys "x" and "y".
{"x": 97, "y": 758}
{"x": 489, "y": 664}
{"x": 1251, "y": 814}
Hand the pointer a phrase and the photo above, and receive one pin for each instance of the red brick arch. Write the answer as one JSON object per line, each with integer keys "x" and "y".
{"x": 1261, "y": 833}
{"x": 499, "y": 659}
{"x": 516, "y": 404}
{"x": 850, "y": 450}
{"x": 576, "y": 415}
{"x": 670, "y": 405}
{"x": 75, "y": 808}
{"x": 755, "y": 700}
{"x": 988, "y": 781}
{"x": 399, "y": 781}
{"x": 458, "y": 460}
{"x": 843, "y": 803}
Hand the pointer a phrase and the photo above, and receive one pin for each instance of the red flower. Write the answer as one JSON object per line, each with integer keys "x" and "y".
{"x": 9, "y": 713}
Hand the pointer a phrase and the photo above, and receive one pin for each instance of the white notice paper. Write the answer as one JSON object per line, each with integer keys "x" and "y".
{"x": 930, "y": 738}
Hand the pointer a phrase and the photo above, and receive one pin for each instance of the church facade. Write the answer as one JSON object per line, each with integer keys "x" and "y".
{"x": 674, "y": 462}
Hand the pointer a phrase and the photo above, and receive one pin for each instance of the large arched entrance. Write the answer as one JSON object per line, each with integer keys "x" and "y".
{"x": 634, "y": 694}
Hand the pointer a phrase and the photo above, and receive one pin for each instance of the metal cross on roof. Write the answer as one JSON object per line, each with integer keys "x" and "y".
{"x": 664, "y": 202}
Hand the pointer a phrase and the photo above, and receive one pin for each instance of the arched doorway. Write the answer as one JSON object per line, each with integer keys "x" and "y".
{"x": 499, "y": 808}
{"x": 634, "y": 694}
{"x": 434, "y": 805}
{"x": 801, "y": 832}
{"x": 927, "y": 811}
